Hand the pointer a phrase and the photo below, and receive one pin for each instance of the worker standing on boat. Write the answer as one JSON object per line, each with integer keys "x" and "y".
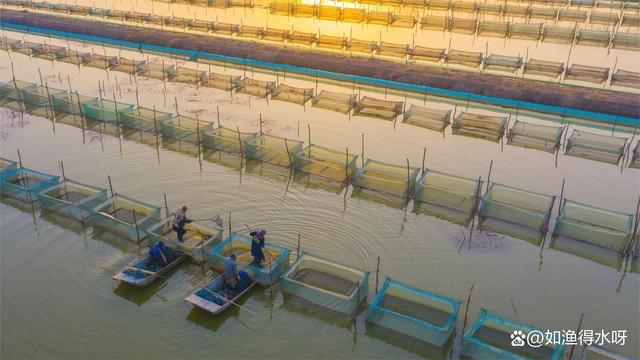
{"x": 231, "y": 275}
{"x": 257, "y": 246}
{"x": 179, "y": 220}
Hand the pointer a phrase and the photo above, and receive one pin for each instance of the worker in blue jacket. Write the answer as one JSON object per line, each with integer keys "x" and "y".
{"x": 257, "y": 246}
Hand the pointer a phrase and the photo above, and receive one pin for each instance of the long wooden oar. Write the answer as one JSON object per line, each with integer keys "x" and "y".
{"x": 225, "y": 299}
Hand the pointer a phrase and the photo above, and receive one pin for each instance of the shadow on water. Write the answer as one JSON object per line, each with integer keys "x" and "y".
{"x": 115, "y": 241}
{"x": 228, "y": 160}
{"x": 138, "y": 295}
{"x": 421, "y": 348}
{"x": 301, "y": 306}
{"x": 311, "y": 181}
{"x": 65, "y": 222}
{"x": 588, "y": 251}
{"x": 390, "y": 200}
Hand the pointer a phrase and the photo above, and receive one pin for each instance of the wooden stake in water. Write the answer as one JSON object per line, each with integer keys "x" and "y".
{"x": 286, "y": 145}
{"x": 19, "y": 158}
{"x": 377, "y": 273}
{"x": 408, "y": 192}
{"x": 362, "y": 154}
{"x": 110, "y": 185}
{"x": 309, "y": 131}
{"x": 489, "y": 176}
{"x": 298, "y": 248}
{"x": 346, "y": 165}
{"x": 64, "y": 177}
{"x": 475, "y": 209}
{"x": 135, "y": 222}
{"x": 260, "y": 124}
{"x": 466, "y": 311}
{"x": 166, "y": 205}
{"x": 239, "y": 143}
{"x": 424, "y": 158}
{"x": 577, "y": 332}
{"x": 218, "y": 114}
{"x": 561, "y": 197}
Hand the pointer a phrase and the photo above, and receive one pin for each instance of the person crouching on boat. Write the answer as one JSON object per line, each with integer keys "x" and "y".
{"x": 161, "y": 254}
{"x": 231, "y": 275}
{"x": 257, "y": 246}
{"x": 179, "y": 220}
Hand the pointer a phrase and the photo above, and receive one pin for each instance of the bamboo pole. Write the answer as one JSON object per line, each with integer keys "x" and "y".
{"x": 466, "y": 311}
{"x": 377, "y": 273}
{"x": 561, "y": 197}
{"x": 424, "y": 158}
{"x": 298, "y": 248}
{"x": 241, "y": 150}
{"x": 19, "y": 158}
{"x": 489, "y": 176}
{"x": 110, "y": 185}
{"x": 135, "y": 222}
{"x": 286, "y": 145}
{"x": 218, "y": 114}
{"x": 166, "y": 205}
{"x": 577, "y": 332}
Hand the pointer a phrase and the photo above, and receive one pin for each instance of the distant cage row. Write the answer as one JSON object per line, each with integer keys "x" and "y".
{"x": 534, "y": 32}
{"x": 419, "y": 314}
{"x": 502, "y": 208}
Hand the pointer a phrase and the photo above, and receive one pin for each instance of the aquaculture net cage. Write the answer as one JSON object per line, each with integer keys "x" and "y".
{"x": 129, "y": 66}
{"x": 185, "y": 128}
{"x": 11, "y": 90}
{"x": 490, "y": 338}
{"x": 24, "y": 184}
{"x": 70, "y": 103}
{"x": 451, "y": 197}
{"x": 535, "y": 136}
{"x": 431, "y": 119}
{"x": 105, "y": 110}
{"x": 273, "y": 149}
{"x": 259, "y": 88}
{"x": 125, "y": 217}
{"x": 292, "y": 94}
{"x": 414, "y": 312}
{"x": 144, "y": 118}
{"x": 72, "y": 199}
{"x": 376, "y": 108}
{"x": 160, "y": 71}
{"x": 480, "y": 126}
{"x": 342, "y": 103}
{"x": 516, "y": 212}
{"x": 596, "y": 147}
{"x": 187, "y": 75}
{"x": 605, "y": 228}
{"x": 276, "y": 260}
{"x": 7, "y": 165}
{"x": 392, "y": 179}
{"x": 197, "y": 241}
{"x": 221, "y": 81}
{"x": 326, "y": 284}
{"x": 327, "y": 163}
{"x": 74, "y": 57}
{"x": 38, "y": 95}
{"x": 227, "y": 140}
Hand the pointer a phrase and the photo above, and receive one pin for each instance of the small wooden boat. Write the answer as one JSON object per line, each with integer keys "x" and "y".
{"x": 214, "y": 298}
{"x": 143, "y": 272}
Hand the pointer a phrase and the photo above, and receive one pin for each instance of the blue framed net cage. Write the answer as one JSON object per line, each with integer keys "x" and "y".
{"x": 516, "y": 212}
{"x": 7, "y": 165}
{"x": 413, "y": 312}
{"x": 326, "y": 163}
{"x": 105, "y": 110}
{"x": 38, "y": 95}
{"x": 490, "y": 338}
{"x": 185, "y": 128}
{"x": 23, "y": 183}
{"x": 605, "y": 228}
{"x": 70, "y": 103}
{"x": 144, "y": 119}
{"x": 124, "y": 216}
{"x": 71, "y": 198}
{"x": 327, "y": 284}
{"x": 227, "y": 140}
{"x": 197, "y": 241}
{"x": 535, "y": 136}
{"x": 446, "y": 196}
{"x": 10, "y": 90}
{"x": 598, "y": 147}
{"x": 392, "y": 179}
{"x": 273, "y": 149}
{"x": 275, "y": 264}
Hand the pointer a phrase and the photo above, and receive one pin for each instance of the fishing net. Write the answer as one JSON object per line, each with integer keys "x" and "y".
{"x": 480, "y": 126}
{"x": 558, "y": 34}
{"x": 330, "y": 42}
{"x": 273, "y": 149}
{"x": 393, "y": 50}
{"x": 70, "y": 103}
{"x": 493, "y": 28}
{"x": 376, "y": 108}
{"x": 328, "y": 12}
{"x": 257, "y": 88}
{"x": 490, "y": 9}
{"x": 413, "y": 312}
{"x": 515, "y": 212}
{"x": 274, "y": 265}
{"x": 46, "y": 51}
{"x": 281, "y": 8}
{"x": 433, "y": 22}
{"x": 544, "y": 68}
{"x": 605, "y": 228}
{"x": 353, "y": 15}
{"x": 158, "y": 71}
{"x": 447, "y": 196}
{"x": 23, "y": 184}
{"x": 403, "y": 21}
{"x": 427, "y": 54}
{"x": 38, "y": 95}
{"x": 272, "y": 34}
{"x": 379, "y": 17}
{"x": 101, "y": 61}
{"x": 125, "y": 216}
{"x": 502, "y": 63}
{"x": 292, "y": 94}
{"x": 543, "y": 13}
{"x": 423, "y": 117}
{"x": 597, "y": 147}
{"x": 593, "y": 74}
{"x": 628, "y": 41}
{"x": 71, "y": 198}
{"x": 593, "y": 37}
{"x": 185, "y": 128}
{"x": 248, "y": 31}
{"x": 187, "y": 75}
{"x": 329, "y": 164}
{"x": 604, "y": 18}
{"x": 529, "y": 135}
{"x": 105, "y": 110}
{"x": 221, "y": 81}
{"x": 129, "y": 66}
{"x": 490, "y": 338}
{"x": 525, "y": 31}
{"x": 73, "y": 57}
{"x": 303, "y": 38}
{"x": 7, "y": 165}
{"x": 144, "y": 118}
{"x": 625, "y": 78}
{"x": 11, "y": 90}
{"x": 196, "y": 241}
{"x": 361, "y": 46}
{"x": 393, "y": 179}
{"x": 326, "y": 284}
{"x": 572, "y": 15}
{"x": 463, "y": 25}
{"x": 334, "y": 101}
{"x": 465, "y": 58}
{"x": 227, "y": 140}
